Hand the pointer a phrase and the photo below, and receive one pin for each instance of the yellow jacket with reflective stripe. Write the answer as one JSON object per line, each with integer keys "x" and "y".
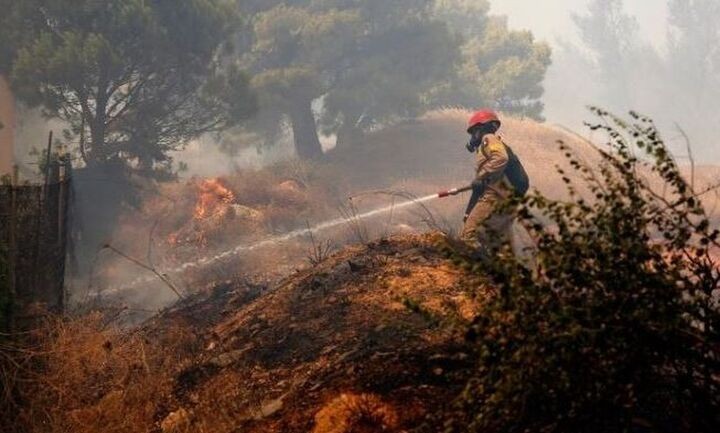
{"x": 492, "y": 158}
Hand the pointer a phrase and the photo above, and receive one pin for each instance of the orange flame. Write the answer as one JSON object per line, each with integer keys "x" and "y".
{"x": 213, "y": 194}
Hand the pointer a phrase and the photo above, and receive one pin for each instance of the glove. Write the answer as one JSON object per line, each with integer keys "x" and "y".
{"x": 479, "y": 184}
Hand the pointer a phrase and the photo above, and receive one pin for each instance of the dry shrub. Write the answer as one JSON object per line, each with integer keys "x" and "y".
{"x": 290, "y": 193}
{"x": 177, "y": 422}
{"x": 221, "y": 403}
{"x": 616, "y": 327}
{"x": 356, "y": 413}
{"x": 280, "y": 219}
{"x": 252, "y": 187}
{"x": 263, "y": 202}
{"x": 86, "y": 376}
{"x": 310, "y": 173}
{"x": 279, "y": 197}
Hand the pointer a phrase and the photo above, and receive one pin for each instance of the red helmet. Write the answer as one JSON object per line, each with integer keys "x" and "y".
{"x": 481, "y": 117}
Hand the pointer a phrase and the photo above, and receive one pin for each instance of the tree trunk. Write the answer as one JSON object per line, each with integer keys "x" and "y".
{"x": 96, "y": 155}
{"x": 96, "y": 119}
{"x": 307, "y": 141}
{"x": 7, "y": 127}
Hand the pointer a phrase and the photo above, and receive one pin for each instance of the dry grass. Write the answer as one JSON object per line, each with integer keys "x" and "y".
{"x": 265, "y": 202}
{"x": 224, "y": 362}
{"x": 431, "y": 150}
{"x": 356, "y": 413}
{"x": 284, "y": 194}
{"x": 88, "y": 377}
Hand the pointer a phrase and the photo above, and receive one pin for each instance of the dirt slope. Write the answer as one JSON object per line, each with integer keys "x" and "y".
{"x": 342, "y": 327}
{"x": 355, "y": 338}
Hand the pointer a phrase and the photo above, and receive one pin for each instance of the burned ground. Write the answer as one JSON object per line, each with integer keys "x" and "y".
{"x": 374, "y": 322}
{"x": 340, "y": 327}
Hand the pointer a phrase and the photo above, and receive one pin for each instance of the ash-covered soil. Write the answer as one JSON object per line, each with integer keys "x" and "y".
{"x": 370, "y": 321}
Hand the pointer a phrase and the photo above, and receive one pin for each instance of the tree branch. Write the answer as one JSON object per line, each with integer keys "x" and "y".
{"x": 161, "y": 277}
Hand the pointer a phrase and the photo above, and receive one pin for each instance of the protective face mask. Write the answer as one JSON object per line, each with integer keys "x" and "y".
{"x": 475, "y": 142}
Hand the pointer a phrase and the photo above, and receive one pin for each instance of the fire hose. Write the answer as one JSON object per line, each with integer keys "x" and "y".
{"x": 454, "y": 191}
{"x": 473, "y": 199}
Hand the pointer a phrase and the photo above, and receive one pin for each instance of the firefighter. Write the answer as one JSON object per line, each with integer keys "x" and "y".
{"x": 498, "y": 174}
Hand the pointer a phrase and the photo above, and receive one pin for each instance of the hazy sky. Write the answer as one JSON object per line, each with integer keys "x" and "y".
{"x": 570, "y": 86}
{"x": 550, "y": 19}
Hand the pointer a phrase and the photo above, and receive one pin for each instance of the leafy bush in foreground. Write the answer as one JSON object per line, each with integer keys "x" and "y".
{"x": 615, "y": 327}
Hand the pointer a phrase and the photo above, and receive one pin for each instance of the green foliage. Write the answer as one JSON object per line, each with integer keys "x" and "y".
{"x": 607, "y": 31}
{"x": 292, "y": 54}
{"x": 500, "y": 68}
{"x": 348, "y": 67}
{"x": 392, "y": 69}
{"x": 463, "y": 14}
{"x": 616, "y": 327}
{"x": 368, "y": 62}
{"x": 16, "y": 21}
{"x": 133, "y": 79}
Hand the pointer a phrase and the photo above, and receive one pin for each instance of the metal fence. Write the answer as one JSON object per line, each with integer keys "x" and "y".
{"x": 33, "y": 247}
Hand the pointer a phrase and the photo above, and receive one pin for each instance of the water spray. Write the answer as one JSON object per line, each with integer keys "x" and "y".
{"x": 244, "y": 248}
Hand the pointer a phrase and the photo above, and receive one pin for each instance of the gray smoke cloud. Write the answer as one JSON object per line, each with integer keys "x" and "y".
{"x": 551, "y": 20}
{"x": 643, "y": 80}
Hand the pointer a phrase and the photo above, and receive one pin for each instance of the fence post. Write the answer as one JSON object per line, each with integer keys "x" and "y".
{"x": 12, "y": 248}
{"x": 64, "y": 179}
{"x": 36, "y": 235}
{"x": 48, "y": 157}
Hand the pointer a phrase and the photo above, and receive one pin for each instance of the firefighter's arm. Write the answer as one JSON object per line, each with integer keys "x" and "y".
{"x": 496, "y": 159}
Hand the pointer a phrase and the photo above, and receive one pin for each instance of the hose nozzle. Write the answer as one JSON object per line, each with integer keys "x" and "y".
{"x": 454, "y": 191}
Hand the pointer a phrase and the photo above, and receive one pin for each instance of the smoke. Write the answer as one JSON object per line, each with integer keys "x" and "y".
{"x": 644, "y": 78}
{"x": 279, "y": 239}
{"x": 552, "y": 20}
{"x": 223, "y": 154}
{"x": 206, "y": 157}
{"x": 31, "y": 136}
{"x": 639, "y": 70}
